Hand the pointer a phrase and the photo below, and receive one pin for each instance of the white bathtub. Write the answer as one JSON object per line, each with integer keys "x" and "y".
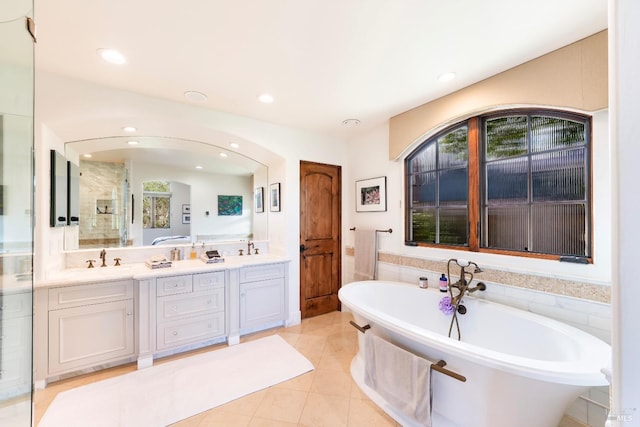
{"x": 521, "y": 369}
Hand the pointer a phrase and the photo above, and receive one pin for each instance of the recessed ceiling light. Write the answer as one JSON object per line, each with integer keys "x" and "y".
{"x": 198, "y": 167}
{"x": 129, "y": 129}
{"x": 234, "y": 145}
{"x": 351, "y": 122}
{"x": 446, "y": 77}
{"x": 266, "y": 98}
{"x": 195, "y": 96}
{"x": 132, "y": 142}
{"x": 224, "y": 155}
{"x": 87, "y": 155}
{"x": 112, "y": 56}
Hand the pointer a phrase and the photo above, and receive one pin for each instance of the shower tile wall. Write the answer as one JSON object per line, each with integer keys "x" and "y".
{"x": 101, "y": 181}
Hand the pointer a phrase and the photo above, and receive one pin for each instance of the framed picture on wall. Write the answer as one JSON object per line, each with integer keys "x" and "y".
{"x": 371, "y": 195}
{"x": 275, "y": 197}
{"x": 186, "y": 209}
{"x": 186, "y": 218}
{"x": 259, "y": 199}
{"x": 229, "y": 205}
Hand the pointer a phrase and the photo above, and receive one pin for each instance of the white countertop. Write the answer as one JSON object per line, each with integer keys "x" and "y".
{"x": 139, "y": 271}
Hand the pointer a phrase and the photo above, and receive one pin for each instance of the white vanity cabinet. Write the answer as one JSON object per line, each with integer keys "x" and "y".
{"x": 15, "y": 337}
{"x": 189, "y": 309}
{"x": 89, "y": 325}
{"x": 262, "y": 301}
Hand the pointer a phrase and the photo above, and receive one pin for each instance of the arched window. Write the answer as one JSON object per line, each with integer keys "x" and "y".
{"x": 514, "y": 182}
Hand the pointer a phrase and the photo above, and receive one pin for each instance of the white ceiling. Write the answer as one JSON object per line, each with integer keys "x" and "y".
{"x": 324, "y": 61}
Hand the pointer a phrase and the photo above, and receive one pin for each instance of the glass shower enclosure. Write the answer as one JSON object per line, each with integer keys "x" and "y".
{"x": 16, "y": 212}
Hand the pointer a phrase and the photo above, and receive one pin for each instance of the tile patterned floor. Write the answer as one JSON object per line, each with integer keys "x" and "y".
{"x": 326, "y": 396}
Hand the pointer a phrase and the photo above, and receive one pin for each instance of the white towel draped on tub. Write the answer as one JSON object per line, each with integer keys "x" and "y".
{"x": 400, "y": 377}
{"x": 364, "y": 254}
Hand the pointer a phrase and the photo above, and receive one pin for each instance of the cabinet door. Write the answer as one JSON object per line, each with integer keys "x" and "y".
{"x": 90, "y": 335}
{"x": 261, "y": 302}
{"x": 15, "y": 378}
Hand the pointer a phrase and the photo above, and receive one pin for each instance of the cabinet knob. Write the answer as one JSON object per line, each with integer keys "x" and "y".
{"x": 129, "y": 314}
{"x": 175, "y": 333}
{"x": 242, "y": 294}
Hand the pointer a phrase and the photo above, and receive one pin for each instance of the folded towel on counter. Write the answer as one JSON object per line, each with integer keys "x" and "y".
{"x": 153, "y": 264}
{"x": 400, "y": 377}
{"x": 364, "y": 254}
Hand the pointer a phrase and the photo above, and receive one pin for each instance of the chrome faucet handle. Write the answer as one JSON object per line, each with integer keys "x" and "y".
{"x": 255, "y": 251}
{"x": 117, "y": 260}
{"x": 240, "y": 250}
{"x": 90, "y": 261}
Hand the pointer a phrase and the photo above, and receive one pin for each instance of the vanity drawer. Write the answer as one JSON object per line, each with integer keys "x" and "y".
{"x": 186, "y": 331}
{"x": 189, "y": 305}
{"x": 174, "y": 285}
{"x": 95, "y": 293}
{"x": 261, "y": 272}
{"x": 206, "y": 281}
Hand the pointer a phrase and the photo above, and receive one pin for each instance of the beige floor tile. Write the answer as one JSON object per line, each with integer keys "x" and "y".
{"x": 219, "y": 418}
{"x": 365, "y": 413}
{"x": 262, "y": 422}
{"x": 282, "y": 405}
{"x": 301, "y": 383}
{"x": 331, "y": 382}
{"x": 246, "y": 405}
{"x": 325, "y": 411}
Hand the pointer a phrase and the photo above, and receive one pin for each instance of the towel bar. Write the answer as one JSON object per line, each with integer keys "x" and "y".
{"x": 362, "y": 329}
{"x": 440, "y": 367}
{"x": 389, "y": 230}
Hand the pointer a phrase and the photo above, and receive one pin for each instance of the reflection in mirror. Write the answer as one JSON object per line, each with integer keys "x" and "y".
{"x": 73, "y": 193}
{"x": 196, "y": 174}
{"x": 58, "y": 197}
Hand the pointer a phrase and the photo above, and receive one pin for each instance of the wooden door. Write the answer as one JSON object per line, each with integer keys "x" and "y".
{"x": 320, "y": 243}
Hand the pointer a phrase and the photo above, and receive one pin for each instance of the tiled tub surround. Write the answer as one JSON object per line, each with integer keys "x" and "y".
{"x": 582, "y": 305}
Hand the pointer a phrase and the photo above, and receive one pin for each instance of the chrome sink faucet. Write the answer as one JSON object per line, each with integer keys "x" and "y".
{"x": 103, "y": 257}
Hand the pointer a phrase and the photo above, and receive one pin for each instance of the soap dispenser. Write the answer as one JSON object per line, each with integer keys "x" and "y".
{"x": 443, "y": 283}
{"x": 193, "y": 254}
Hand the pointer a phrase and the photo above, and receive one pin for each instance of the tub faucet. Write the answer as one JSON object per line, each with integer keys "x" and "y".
{"x": 462, "y": 285}
{"x": 103, "y": 257}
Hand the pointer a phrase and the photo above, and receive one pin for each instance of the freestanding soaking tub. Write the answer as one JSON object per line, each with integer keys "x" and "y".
{"x": 521, "y": 369}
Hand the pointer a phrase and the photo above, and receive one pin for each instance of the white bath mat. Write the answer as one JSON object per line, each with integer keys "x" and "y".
{"x": 172, "y": 391}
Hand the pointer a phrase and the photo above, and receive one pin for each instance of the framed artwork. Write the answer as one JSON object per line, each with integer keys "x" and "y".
{"x": 275, "y": 197}
{"x": 259, "y": 199}
{"x": 186, "y": 209}
{"x": 229, "y": 205}
{"x": 371, "y": 195}
{"x": 186, "y": 218}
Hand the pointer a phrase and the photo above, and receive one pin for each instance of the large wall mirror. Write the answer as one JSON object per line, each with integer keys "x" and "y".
{"x": 141, "y": 191}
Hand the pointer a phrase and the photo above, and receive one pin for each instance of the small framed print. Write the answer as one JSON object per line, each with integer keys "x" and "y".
{"x": 259, "y": 199}
{"x": 275, "y": 197}
{"x": 186, "y": 218}
{"x": 186, "y": 209}
{"x": 371, "y": 195}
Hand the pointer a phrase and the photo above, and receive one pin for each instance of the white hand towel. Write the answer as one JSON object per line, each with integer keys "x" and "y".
{"x": 400, "y": 377}
{"x": 365, "y": 254}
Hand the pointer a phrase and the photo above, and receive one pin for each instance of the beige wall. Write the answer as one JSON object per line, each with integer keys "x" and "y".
{"x": 573, "y": 77}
